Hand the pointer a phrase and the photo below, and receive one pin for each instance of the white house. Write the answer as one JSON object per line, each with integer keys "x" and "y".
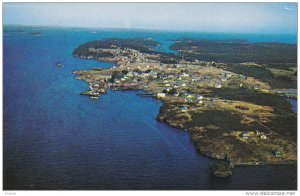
{"x": 263, "y": 137}
{"x": 161, "y": 95}
{"x": 185, "y": 75}
{"x": 218, "y": 86}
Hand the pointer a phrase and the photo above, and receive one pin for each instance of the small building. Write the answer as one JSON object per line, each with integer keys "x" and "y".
{"x": 183, "y": 108}
{"x": 277, "y": 153}
{"x": 189, "y": 100}
{"x": 161, "y": 95}
{"x": 242, "y": 77}
{"x": 129, "y": 74}
{"x": 263, "y": 137}
{"x": 185, "y": 75}
{"x": 190, "y": 96}
{"x": 218, "y": 86}
{"x": 200, "y": 97}
{"x": 248, "y": 135}
{"x": 164, "y": 76}
{"x": 245, "y": 135}
{"x": 223, "y": 79}
{"x": 256, "y": 87}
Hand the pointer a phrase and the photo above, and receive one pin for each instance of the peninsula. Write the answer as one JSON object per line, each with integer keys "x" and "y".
{"x": 224, "y": 93}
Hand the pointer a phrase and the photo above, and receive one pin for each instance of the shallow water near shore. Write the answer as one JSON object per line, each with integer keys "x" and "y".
{"x": 55, "y": 139}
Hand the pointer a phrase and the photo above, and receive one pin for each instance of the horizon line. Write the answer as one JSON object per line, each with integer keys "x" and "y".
{"x": 143, "y": 29}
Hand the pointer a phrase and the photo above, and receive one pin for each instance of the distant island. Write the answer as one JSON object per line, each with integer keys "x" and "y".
{"x": 36, "y": 33}
{"x": 229, "y": 95}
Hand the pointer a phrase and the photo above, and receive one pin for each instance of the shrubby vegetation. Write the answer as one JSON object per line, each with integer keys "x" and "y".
{"x": 276, "y": 55}
{"x": 263, "y": 74}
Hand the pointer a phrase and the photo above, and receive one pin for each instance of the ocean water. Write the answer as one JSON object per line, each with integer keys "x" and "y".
{"x": 294, "y": 104}
{"x": 55, "y": 139}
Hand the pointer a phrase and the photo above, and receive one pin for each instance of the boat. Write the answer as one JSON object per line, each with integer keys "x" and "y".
{"x": 59, "y": 65}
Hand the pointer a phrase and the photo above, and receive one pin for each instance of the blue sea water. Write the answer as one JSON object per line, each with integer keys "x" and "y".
{"x": 55, "y": 139}
{"x": 294, "y": 104}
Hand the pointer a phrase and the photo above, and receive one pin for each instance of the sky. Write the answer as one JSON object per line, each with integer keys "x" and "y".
{"x": 274, "y": 18}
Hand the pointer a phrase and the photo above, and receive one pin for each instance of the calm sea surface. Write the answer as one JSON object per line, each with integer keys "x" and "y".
{"x": 53, "y": 138}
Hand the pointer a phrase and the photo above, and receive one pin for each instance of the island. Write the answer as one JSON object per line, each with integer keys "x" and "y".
{"x": 229, "y": 95}
{"x": 36, "y": 33}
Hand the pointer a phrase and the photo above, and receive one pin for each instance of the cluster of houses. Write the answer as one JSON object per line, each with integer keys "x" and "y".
{"x": 172, "y": 80}
{"x": 247, "y": 135}
{"x": 168, "y": 72}
{"x": 96, "y": 89}
{"x": 188, "y": 98}
{"x": 125, "y": 55}
{"x": 177, "y": 80}
{"x": 131, "y": 55}
{"x": 192, "y": 98}
{"x": 251, "y": 135}
{"x": 134, "y": 76}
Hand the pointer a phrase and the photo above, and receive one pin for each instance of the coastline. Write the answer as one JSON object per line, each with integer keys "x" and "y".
{"x": 100, "y": 80}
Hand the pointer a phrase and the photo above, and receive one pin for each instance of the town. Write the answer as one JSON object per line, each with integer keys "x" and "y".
{"x": 220, "y": 127}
